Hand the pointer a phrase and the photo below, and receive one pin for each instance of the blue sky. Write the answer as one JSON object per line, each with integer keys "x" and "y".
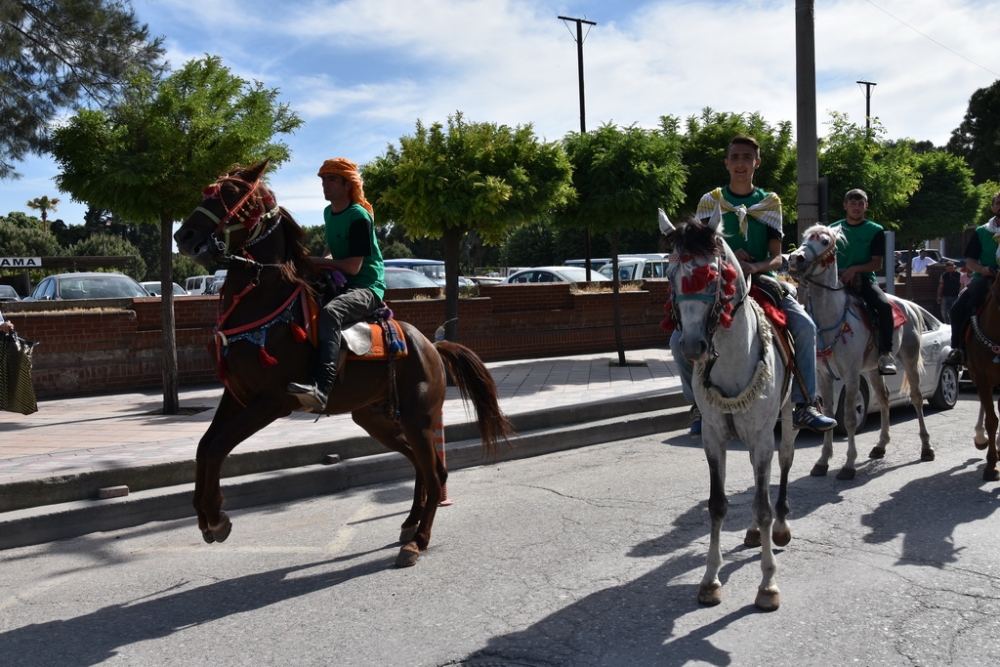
{"x": 361, "y": 72}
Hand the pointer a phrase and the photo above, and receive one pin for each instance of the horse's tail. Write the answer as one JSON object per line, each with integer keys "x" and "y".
{"x": 475, "y": 384}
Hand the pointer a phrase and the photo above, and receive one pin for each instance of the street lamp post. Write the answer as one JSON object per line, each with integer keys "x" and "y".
{"x": 583, "y": 117}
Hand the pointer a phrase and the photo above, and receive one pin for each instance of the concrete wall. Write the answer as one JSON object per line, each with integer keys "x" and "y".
{"x": 114, "y": 344}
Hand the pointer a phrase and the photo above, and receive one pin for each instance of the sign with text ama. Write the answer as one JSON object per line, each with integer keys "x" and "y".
{"x": 20, "y": 262}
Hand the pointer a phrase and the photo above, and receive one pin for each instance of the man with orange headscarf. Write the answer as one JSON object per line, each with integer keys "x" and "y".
{"x": 354, "y": 251}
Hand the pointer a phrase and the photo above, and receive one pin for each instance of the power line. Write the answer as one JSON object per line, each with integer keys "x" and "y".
{"x": 926, "y": 36}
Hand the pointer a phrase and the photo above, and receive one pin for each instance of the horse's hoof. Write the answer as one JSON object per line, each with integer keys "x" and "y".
{"x": 710, "y": 594}
{"x": 768, "y": 599}
{"x": 819, "y": 470}
{"x": 752, "y": 538}
{"x": 408, "y": 555}
{"x": 991, "y": 475}
{"x": 407, "y": 533}
{"x": 221, "y": 530}
{"x": 846, "y": 473}
{"x": 207, "y": 536}
{"x": 877, "y": 452}
{"x": 981, "y": 445}
{"x": 927, "y": 454}
{"x": 781, "y": 538}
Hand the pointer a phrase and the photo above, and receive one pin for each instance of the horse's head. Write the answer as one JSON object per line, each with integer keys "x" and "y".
{"x": 234, "y": 211}
{"x": 705, "y": 280}
{"x": 816, "y": 256}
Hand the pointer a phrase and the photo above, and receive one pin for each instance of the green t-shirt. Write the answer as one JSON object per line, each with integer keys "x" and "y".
{"x": 987, "y": 248}
{"x": 351, "y": 233}
{"x": 864, "y": 241}
{"x": 758, "y": 234}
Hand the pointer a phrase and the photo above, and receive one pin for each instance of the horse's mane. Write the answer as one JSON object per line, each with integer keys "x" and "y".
{"x": 295, "y": 266}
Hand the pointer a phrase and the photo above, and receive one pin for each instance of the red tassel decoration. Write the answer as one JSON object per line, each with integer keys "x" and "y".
{"x": 298, "y": 333}
{"x": 725, "y": 319}
{"x": 266, "y": 360}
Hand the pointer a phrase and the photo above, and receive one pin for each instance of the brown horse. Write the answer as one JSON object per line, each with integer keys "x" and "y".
{"x": 983, "y": 362}
{"x": 397, "y": 401}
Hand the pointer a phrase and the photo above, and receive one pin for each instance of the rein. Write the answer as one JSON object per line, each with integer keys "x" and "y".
{"x": 252, "y": 220}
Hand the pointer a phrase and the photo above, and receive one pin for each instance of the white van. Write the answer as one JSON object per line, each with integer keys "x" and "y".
{"x": 197, "y": 284}
{"x": 639, "y": 267}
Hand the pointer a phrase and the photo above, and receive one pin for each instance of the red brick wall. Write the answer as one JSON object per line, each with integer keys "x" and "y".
{"x": 119, "y": 346}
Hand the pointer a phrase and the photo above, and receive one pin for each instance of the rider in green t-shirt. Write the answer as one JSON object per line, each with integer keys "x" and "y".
{"x": 354, "y": 252}
{"x": 752, "y": 224}
{"x": 858, "y": 260}
{"x": 981, "y": 257}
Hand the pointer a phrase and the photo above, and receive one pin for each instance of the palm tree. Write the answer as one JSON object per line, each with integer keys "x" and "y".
{"x": 44, "y": 204}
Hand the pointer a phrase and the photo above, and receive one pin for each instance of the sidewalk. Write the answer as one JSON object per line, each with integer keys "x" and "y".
{"x": 70, "y": 437}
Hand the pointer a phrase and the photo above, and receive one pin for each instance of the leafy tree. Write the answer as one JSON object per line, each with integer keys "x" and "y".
{"x": 22, "y": 220}
{"x": 854, "y": 157}
{"x": 396, "y": 250}
{"x": 444, "y": 182}
{"x": 621, "y": 176}
{"x": 185, "y": 267}
{"x": 107, "y": 245}
{"x": 705, "y": 140}
{"x": 945, "y": 204}
{"x": 532, "y": 245}
{"x": 54, "y": 53}
{"x": 44, "y": 204}
{"x": 18, "y": 240}
{"x": 148, "y": 157}
{"x": 977, "y": 139}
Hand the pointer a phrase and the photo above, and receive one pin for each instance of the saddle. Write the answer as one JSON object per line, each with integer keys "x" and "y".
{"x": 870, "y": 317}
{"x": 768, "y": 292}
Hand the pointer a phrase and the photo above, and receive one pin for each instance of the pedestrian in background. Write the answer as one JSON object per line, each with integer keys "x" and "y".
{"x": 949, "y": 285}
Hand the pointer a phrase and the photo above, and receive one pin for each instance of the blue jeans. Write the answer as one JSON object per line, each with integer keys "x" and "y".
{"x": 803, "y": 330}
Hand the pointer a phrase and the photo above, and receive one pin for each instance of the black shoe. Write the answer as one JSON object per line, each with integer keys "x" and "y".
{"x": 314, "y": 393}
{"x": 955, "y": 357}
{"x": 886, "y": 364}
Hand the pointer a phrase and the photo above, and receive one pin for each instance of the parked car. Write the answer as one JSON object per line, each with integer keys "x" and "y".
{"x": 432, "y": 268}
{"x": 8, "y": 293}
{"x": 595, "y": 264}
{"x": 397, "y": 277}
{"x": 939, "y": 383}
{"x": 153, "y": 287}
{"x": 638, "y": 267}
{"x": 198, "y": 284}
{"x": 554, "y": 274}
{"x": 87, "y": 286}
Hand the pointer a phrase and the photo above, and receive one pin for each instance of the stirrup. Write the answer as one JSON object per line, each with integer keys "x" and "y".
{"x": 309, "y": 395}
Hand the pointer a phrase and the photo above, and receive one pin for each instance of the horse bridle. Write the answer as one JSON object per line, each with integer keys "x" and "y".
{"x": 820, "y": 261}
{"x": 717, "y": 299}
{"x": 249, "y": 211}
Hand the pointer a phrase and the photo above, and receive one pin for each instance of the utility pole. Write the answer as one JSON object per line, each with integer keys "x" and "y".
{"x": 583, "y": 117}
{"x": 807, "y": 147}
{"x": 868, "y": 106}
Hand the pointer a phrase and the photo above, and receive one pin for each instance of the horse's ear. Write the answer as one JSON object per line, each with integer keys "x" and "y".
{"x": 256, "y": 171}
{"x": 716, "y": 219}
{"x": 666, "y": 227}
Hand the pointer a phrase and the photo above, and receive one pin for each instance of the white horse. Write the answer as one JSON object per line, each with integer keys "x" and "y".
{"x": 740, "y": 385}
{"x": 848, "y": 346}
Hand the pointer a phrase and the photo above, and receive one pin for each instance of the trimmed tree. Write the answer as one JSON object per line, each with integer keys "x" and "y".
{"x": 977, "y": 139}
{"x": 622, "y": 176}
{"x": 148, "y": 157}
{"x": 444, "y": 182}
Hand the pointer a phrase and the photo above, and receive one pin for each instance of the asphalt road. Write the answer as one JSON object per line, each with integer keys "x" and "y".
{"x": 585, "y": 557}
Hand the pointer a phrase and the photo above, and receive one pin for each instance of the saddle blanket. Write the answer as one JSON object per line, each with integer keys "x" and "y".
{"x": 369, "y": 341}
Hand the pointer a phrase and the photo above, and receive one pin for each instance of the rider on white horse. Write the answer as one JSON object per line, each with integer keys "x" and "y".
{"x": 981, "y": 257}
{"x": 858, "y": 260}
{"x": 752, "y": 226}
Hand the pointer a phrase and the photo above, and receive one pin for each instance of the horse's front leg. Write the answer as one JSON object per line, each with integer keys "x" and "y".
{"x": 852, "y": 385}
{"x": 761, "y": 454}
{"x": 710, "y": 591}
{"x": 231, "y": 425}
{"x": 877, "y": 383}
{"x": 781, "y": 532}
{"x": 824, "y": 382}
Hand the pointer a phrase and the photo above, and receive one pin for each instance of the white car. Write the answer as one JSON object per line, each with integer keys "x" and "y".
{"x": 153, "y": 287}
{"x": 554, "y": 274}
{"x": 939, "y": 383}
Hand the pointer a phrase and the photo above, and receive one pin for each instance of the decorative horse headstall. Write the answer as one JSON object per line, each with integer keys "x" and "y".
{"x": 713, "y": 281}
{"x": 820, "y": 260}
{"x": 250, "y": 212}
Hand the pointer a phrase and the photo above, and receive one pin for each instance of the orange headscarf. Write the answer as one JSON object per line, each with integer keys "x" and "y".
{"x": 349, "y": 170}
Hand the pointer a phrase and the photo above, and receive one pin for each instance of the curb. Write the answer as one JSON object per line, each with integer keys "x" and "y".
{"x": 293, "y": 473}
